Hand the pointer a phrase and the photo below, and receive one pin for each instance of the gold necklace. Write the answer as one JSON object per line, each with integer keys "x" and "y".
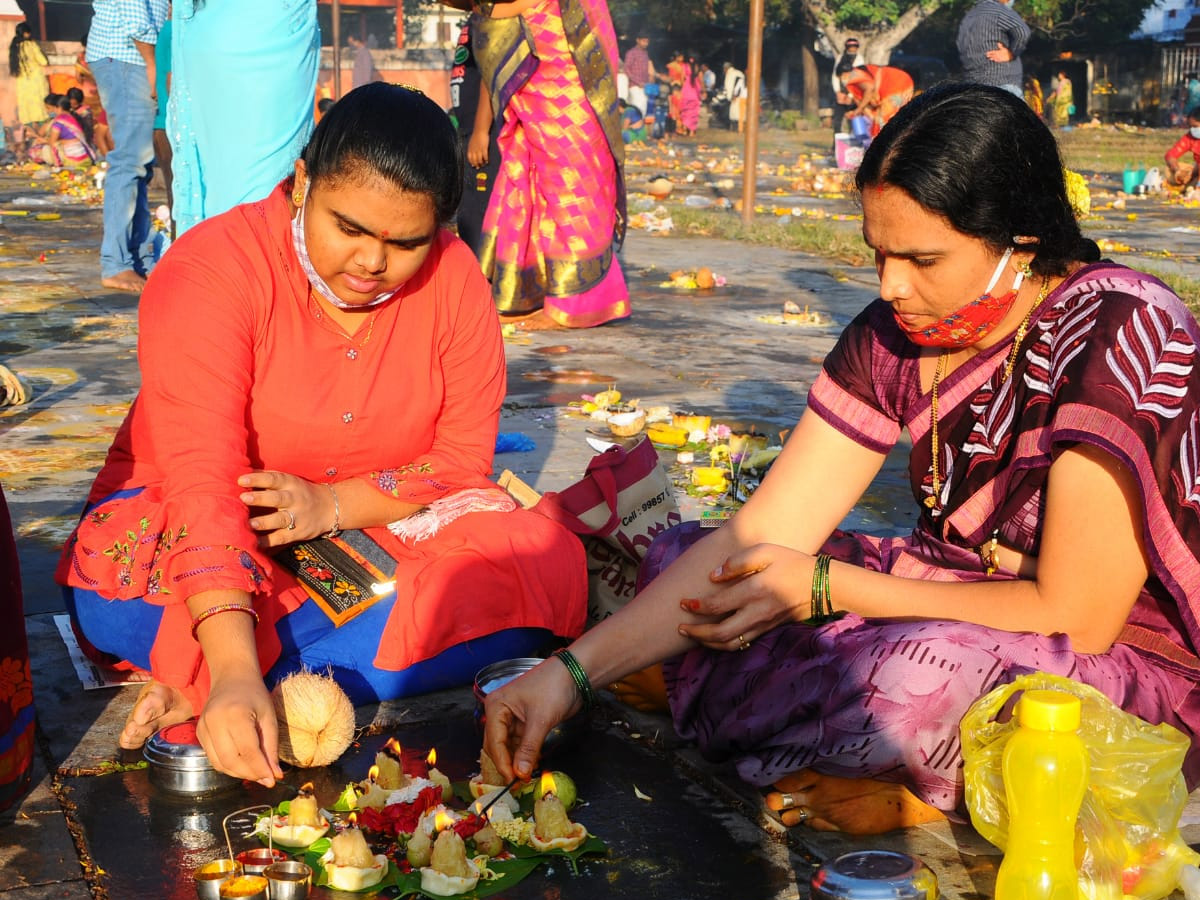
{"x": 933, "y": 501}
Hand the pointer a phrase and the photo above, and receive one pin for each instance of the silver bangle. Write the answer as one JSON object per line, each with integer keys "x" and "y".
{"x": 336, "y": 528}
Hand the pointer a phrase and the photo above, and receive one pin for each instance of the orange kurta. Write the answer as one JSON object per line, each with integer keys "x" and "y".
{"x": 241, "y": 370}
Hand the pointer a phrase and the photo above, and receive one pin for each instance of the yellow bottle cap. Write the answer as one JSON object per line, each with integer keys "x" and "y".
{"x": 1049, "y": 710}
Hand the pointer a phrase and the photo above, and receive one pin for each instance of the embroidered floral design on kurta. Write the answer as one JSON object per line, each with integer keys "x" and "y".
{"x": 389, "y": 480}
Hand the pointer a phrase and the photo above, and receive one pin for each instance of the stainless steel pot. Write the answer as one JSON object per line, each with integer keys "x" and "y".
{"x": 179, "y": 765}
{"x": 492, "y": 677}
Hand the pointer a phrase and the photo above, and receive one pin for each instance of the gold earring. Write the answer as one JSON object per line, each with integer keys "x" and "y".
{"x": 297, "y": 199}
{"x": 1025, "y": 269}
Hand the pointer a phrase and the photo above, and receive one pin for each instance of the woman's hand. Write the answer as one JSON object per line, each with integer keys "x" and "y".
{"x": 477, "y": 149}
{"x": 761, "y": 588}
{"x": 298, "y": 509}
{"x": 238, "y": 729}
{"x": 518, "y": 716}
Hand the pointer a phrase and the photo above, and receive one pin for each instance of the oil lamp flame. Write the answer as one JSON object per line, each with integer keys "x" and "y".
{"x": 432, "y": 757}
{"x": 393, "y": 748}
{"x": 352, "y": 820}
{"x": 306, "y": 789}
{"x": 373, "y": 774}
{"x": 442, "y": 821}
{"x": 547, "y": 785}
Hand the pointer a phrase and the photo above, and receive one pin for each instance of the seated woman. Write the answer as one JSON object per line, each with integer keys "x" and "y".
{"x": 878, "y": 93}
{"x": 64, "y": 140}
{"x": 327, "y": 358}
{"x": 1053, "y": 403}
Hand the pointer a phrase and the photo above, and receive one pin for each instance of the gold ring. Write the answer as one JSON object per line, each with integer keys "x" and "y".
{"x": 743, "y": 644}
{"x": 291, "y": 525}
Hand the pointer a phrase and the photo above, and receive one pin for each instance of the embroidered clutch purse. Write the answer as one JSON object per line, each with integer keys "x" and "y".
{"x": 344, "y": 575}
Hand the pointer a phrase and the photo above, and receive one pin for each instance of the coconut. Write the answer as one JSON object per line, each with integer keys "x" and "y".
{"x": 316, "y": 719}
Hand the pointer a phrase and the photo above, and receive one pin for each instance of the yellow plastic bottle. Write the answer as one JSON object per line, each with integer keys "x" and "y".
{"x": 1045, "y": 774}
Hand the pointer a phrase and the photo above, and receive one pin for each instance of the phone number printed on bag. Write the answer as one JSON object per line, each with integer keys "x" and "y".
{"x": 646, "y": 506}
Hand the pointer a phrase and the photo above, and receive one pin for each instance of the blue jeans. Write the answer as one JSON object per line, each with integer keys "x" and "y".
{"x": 125, "y": 93}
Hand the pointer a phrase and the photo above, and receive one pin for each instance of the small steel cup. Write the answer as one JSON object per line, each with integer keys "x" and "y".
{"x": 245, "y": 887}
{"x": 210, "y": 876}
{"x": 289, "y": 880}
{"x": 254, "y": 861}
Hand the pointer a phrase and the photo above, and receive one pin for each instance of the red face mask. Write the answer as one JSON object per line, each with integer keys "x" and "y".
{"x": 973, "y": 321}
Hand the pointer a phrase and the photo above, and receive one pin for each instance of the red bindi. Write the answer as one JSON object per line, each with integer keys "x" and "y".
{"x": 384, "y": 234}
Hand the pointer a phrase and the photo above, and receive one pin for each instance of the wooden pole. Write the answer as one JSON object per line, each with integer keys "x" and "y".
{"x": 42, "y": 19}
{"x": 400, "y": 22}
{"x": 750, "y": 116}
{"x": 335, "y": 13}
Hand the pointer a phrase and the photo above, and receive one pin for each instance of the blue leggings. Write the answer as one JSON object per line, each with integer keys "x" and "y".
{"x": 127, "y": 629}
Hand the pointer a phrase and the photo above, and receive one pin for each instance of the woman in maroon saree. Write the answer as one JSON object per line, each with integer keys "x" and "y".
{"x": 1055, "y": 428}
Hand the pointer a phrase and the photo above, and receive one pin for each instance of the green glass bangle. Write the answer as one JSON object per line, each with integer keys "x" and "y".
{"x": 579, "y": 676}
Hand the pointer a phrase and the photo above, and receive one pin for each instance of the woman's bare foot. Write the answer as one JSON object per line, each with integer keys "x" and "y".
{"x": 157, "y": 706}
{"x": 852, "y": 805}
{"x": 128, "y": 280}
{"x": 645, "y": 690}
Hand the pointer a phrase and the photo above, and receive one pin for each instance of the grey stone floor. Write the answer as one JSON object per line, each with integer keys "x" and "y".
{"x": 701, "y": 351}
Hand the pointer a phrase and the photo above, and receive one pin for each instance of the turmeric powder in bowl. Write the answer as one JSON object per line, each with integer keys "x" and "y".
{"x": 254, "y": 886}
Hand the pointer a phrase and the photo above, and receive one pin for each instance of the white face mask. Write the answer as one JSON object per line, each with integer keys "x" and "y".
{"x": 319, "y": 284}
{"x": 1194, "y": 132}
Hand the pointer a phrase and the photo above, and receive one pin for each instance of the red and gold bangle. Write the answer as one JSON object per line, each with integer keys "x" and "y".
{"x": 222, "y": 608}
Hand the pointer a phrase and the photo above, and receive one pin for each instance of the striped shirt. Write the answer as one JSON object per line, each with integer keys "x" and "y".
{"x": 985, "y": 25}
{"x": 116, "y": 24}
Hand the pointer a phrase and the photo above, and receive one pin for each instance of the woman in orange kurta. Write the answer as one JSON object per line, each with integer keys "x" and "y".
{"x": 327, "y": 358}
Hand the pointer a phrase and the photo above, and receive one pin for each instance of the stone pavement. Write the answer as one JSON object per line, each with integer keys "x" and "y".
{"x": 90, "y": 829}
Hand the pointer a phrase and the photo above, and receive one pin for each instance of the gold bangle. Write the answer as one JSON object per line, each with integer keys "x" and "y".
{"x": 222, "y": 608}
{"x": 336, "y": 528}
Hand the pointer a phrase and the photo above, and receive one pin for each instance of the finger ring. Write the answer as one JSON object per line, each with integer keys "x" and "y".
{"x": 291, "y": 525}
{"x": 743, "y": 644}
{"x": 787, "y": 801}
{"x": 804, "y": 814}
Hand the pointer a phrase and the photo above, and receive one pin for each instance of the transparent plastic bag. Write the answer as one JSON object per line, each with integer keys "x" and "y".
{"x": 1127, "y": 837}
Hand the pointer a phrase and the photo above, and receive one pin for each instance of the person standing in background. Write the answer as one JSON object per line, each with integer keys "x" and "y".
{"x": 850, "y": 58}
{"x": 557, "y": 213}
{"x": 241, "y": 109}
{"x": 162, "y": 145}
{"x": 471, "y": 110}
{"x": 639, "y": 69}
{"x": 735, "y": 92}
{"x": 1061, "y": 101}
{"x": 991, "y": 39}
{"x": 364, "y": 64}
{"x": 120, "y": 53}
{"x": 27, "y": 64}
{"x": 16, "y": 685}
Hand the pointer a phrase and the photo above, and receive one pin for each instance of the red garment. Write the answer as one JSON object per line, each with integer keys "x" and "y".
{"x": 241, "y": 370}
{"x": 1186, "y": 144}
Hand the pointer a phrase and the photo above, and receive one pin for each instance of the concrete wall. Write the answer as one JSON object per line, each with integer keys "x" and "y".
{"x": 427, "y": 70}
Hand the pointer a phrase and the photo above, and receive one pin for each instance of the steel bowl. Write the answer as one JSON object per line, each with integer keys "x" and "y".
{"x": 257, "y": 859}
{"x": 210, "y": 876}
{"x": 289, "y": 880}
{"x": 492, "y": 677}
{"x": 178, "y": 764}
{"x": 874, "y": 875}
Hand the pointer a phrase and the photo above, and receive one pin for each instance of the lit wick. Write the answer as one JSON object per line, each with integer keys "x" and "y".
{"x": 438, "y": 778}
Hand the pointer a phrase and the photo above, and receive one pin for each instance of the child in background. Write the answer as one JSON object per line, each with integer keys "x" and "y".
{"x": 633, "y": 124}
{"x": 675, "y": 110}
{"x": 656, "y": 111}
{"x": 1183, "y": 173}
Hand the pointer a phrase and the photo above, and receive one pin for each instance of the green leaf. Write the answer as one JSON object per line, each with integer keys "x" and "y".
{"x": 592, "y": 846}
